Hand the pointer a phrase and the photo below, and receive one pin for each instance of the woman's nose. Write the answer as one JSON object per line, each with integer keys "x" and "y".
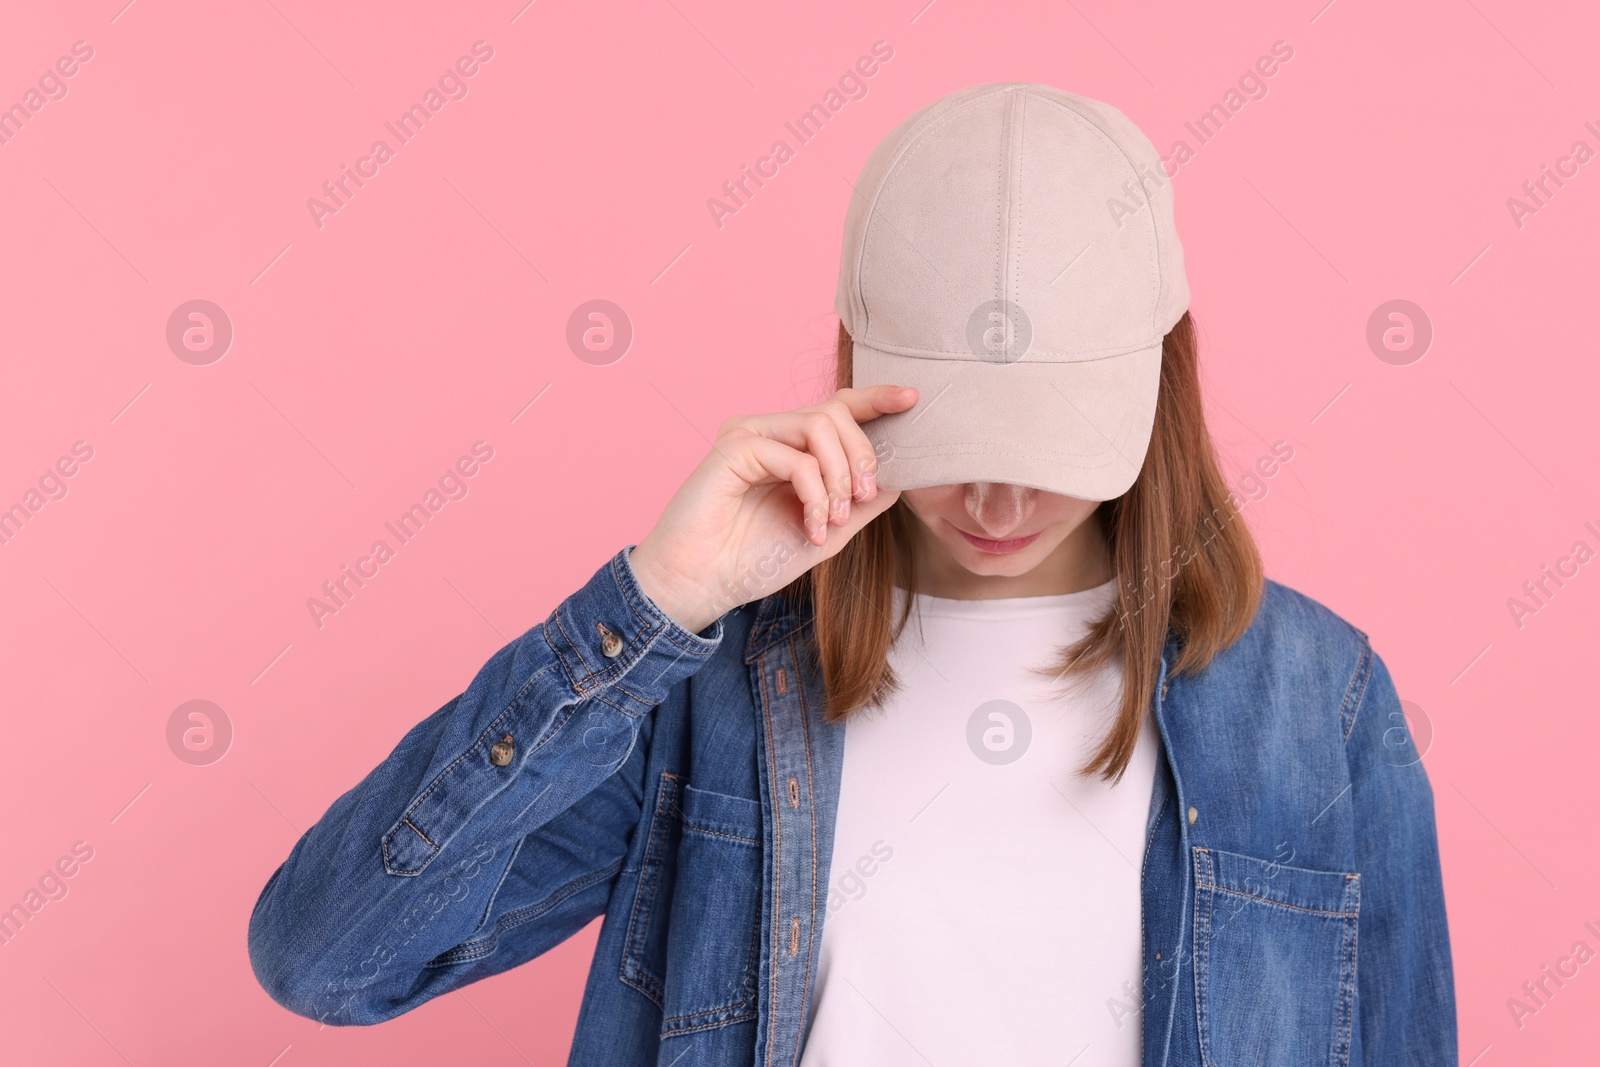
{"x": 999, "y": 507}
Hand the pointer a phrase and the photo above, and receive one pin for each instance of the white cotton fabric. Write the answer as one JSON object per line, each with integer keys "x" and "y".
{"x": 985, "y": 912}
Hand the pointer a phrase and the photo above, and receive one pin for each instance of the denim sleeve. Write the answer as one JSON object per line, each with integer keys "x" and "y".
{"x": 450, "y": 862}
{"x": 1405, "y": 985}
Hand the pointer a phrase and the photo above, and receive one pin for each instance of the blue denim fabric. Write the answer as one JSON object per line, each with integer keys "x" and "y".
{"x": 685, "y": 790}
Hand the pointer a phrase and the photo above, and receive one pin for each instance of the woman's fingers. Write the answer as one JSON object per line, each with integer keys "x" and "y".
{"x": 745, "y": 492}
{"x": 825, "y": 441}
{"x": 758, "y": 460}
{"x": 860, "y": 456}
{"x": 830, "y": 431}
{"x": 816, "y": 433}
{"x": 868, "y": 403}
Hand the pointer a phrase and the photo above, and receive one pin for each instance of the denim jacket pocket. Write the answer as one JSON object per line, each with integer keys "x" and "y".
{"x": 1274, "y": 961}
{"x": 693, "y": 942}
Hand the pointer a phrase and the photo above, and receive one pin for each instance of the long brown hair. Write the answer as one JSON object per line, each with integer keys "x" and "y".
{"x": 1184, "y": 560}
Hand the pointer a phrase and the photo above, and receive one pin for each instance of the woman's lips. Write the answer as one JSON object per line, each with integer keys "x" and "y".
{"x": 984, "y": 544}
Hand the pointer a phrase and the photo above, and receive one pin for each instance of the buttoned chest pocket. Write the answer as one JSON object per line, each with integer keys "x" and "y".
{"x": 1275, "y": 961}
{"x": 693, "y": 944}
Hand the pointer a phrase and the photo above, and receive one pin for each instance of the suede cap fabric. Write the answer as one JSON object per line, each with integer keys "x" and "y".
{"x": 1010, "y": 251}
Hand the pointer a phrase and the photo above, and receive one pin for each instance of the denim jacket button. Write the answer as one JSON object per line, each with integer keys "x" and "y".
{"x": 501, "y": 751}
{"x": 610, "y": 642}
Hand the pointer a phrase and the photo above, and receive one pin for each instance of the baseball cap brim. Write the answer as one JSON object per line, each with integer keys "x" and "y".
{"x": 1080, "y": 428}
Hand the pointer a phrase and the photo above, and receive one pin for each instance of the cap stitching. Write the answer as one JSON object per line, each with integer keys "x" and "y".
{"x": 916, "y": 138}
{"x": 1016, "y": 239}
{"x": 1000, "y": 197}
{"x": 909, "y": 141}
{"x": 968, "y": 357}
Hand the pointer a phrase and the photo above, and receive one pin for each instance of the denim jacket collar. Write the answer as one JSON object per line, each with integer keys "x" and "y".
{"x": 777, "y": 616}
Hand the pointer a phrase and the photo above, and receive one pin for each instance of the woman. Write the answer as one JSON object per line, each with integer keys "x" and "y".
{"x": 1013, "y": 756}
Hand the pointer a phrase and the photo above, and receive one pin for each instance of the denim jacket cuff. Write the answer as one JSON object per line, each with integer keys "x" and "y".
{"x": 611, "y": 636}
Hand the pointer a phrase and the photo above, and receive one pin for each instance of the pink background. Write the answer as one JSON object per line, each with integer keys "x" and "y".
{"x": 432, "y": 308}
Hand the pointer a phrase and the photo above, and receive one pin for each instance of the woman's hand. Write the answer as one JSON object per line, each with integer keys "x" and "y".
{"x": 777, "y": 495}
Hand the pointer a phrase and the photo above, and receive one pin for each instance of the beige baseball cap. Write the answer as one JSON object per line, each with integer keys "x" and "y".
{"x": 1010, "y": 251}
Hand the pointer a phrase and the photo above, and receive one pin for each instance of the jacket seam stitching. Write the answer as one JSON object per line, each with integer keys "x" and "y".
{"x": 721, "y": 1009}
{"x": 1275, "y": 903}
{"x": 777, "y": 848}
{"x": 577, "y": 653}
{"x": 1356, "y": 690}
{"x": 566, "y": 712}
{"x": 712, "y": 1025}
{"x": 644, "y": 905}
{"x": 746, "y": 990}
{"x": 432, "y": 787}
{"x": 654, "y": 625}
{"x": 1347, "y": 979}
{"x": 1202, "y": 955}
{"x": 811, "y": 808}
{"x": 485, "y": 946}
{"x": 696, "y": 828}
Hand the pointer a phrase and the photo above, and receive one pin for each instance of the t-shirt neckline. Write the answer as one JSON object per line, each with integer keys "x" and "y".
{"x": 1013, "y": 607}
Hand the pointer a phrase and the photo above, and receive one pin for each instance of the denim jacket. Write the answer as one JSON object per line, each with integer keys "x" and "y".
{"x": 684, "y": 786}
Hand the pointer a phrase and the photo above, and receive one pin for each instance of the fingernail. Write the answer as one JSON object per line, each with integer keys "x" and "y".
{"x": 841, "y": 508}
{"x": 815, "y": 520}
{"x": 869, "y": 482}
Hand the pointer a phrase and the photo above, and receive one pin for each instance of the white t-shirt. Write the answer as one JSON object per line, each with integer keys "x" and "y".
{"x": 984, "y": 898}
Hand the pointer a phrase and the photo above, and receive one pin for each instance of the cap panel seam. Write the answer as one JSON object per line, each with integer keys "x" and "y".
{"x": 909, "y": 140}
{"x": 966, "y": 355}
{"x": 917, "y": 138}
{"x": 1021, "y": 100}
{"x": 1001, "y": 198}
{"x": 914, "y": 140}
